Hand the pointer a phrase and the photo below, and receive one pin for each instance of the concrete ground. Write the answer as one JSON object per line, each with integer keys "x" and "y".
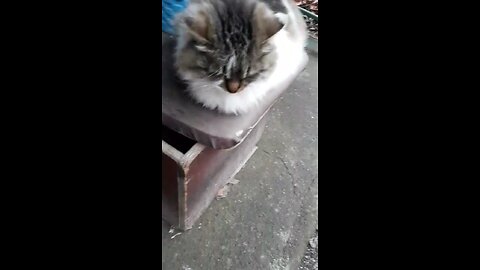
{"x": 268, "y": 218}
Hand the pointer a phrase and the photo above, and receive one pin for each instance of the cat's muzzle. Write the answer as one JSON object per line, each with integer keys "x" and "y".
{"x": 233, "y": 86}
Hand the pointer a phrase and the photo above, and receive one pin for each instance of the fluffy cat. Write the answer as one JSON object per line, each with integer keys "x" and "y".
{"x": 231, "y": 52}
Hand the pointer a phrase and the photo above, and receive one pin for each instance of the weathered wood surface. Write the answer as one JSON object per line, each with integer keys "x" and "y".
{"x": 193, "y": 179}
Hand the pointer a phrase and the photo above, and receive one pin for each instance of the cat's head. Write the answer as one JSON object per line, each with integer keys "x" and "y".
{"x": 226, "y": 42}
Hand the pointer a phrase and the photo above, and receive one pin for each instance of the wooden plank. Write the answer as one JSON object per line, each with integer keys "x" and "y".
{"x": 212, "y": 169}
{"x": 170, "y": 211}
{"x": 191, "y": 181}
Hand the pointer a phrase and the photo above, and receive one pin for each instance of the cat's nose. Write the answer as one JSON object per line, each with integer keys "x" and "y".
{"x": 233, "y": 86}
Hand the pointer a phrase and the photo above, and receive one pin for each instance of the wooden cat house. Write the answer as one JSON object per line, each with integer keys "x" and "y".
{"x": 202, "y": 150}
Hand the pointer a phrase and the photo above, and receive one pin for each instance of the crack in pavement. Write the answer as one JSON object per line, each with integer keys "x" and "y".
{"x": 294, "y": 185}
{"x": 311, "y": 183}
{"x": 266, "y": 152}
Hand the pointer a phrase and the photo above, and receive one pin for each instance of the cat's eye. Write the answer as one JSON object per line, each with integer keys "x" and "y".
{"x": 247, "y": 72}
{"x": 202, "y": 62}
{"x": 203, "y": 48}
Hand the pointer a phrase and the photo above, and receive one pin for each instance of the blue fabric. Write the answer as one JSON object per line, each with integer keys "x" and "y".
{"x": 169, "y": 9}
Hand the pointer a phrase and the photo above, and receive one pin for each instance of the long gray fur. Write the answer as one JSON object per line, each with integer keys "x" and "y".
{"x": 227, "y": 39}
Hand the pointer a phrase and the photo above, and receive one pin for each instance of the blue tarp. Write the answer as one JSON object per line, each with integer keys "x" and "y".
{"x": 169, "y": 9}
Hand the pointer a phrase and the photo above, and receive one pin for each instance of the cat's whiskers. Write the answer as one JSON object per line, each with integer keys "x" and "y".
{"x": 216, "y": 72}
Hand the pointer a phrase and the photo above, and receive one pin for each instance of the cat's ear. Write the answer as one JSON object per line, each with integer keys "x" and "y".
{"x": 265, "y": 23}
{"x": 198, "y": 26}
